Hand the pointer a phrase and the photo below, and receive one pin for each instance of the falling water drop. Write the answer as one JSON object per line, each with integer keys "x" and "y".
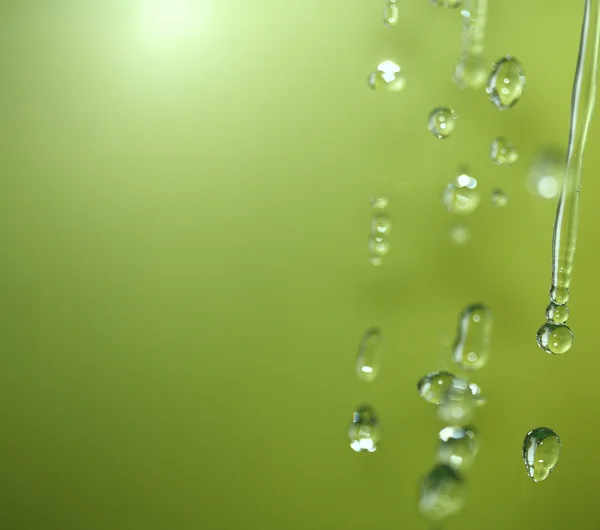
{"x": 555, "y": 338}
{"x": 443, "y": 493}
{"x": 541, "y": 451}
{"x": 433, "y": 387}
{"x": 506, "y": 83}
{"x": 546, "y": 173}
{"x": 442, "y": 122}
{"x": 364, "y": 430}
{"x": 461, "y": 196}
{"x": 557, "y": 314}
{"x": 479, "y": 400}
{"x": 499, "y": 198}
{"x": 457, "y": 406}
{"x": 391, "y": 14}
{"x": 503, "y": 152}
{"x": 458, "y": 446}
{"x": 460, "y": 234}
{"x": 379, "y": 246}
{"x": 387, "y": 77}
{"x": 471, "y": 348}
{"x": 379, "y": 202}
{"x": 471, "y": 72}
{"x": 381, "y": 225}
{"x": 367, "y": 360}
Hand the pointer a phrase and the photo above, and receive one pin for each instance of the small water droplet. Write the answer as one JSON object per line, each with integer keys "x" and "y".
{"x": 457, "y": 407}
{"x": 381, "y": 224}
{"x": 541, "y": 451}
{"x": 461, "y": 196}
{"x": 443, "y": 493}
{"x": 379, "y": 246}
{"x": 367, "y": 360}
{"x": 506, "y": 83}
{"x": 376, "y": 261}
{"x": 379, "y": 202}
{"x": 387, "y": 77}
{"x": 499, "y": 198}
{"x": 433, "y": 387}
{"x": 557, "y": 314}
{"x": 364, "y": 431}
{"x": 471, "y": 348}
{"x": 559, "y": 295}
{"x": 460, "y": 234}
{"x": 503, "y": 152}
{"x": 391, "y": 14}
{"x": 458, "y": 446}
{"x": 471, "y": 72}
{"x": 442, "y": 122}
{"x": 555, "y": 338}
{"x": 450, "y": 4}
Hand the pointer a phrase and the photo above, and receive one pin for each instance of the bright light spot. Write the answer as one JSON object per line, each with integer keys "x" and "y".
{"x": 547, "y": 187}
{"x": 463, "y": 180}
{"x": 169, "y": 19}
{"x": 388, "y": 67}
{"x": 364, "y": 444}
{"x": 367, "y": 369}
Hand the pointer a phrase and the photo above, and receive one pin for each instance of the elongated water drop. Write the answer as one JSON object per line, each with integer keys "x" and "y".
{"x": 472, "y": 345}
{"x": 364, "y": 433}
{"x": 443, "y": 493}
{"x": 470, "y": 71}
{"x": 458, "y": 446}
{"x": 557, "y": 314}
{"x": 541, "y": 451}
{"x": 368, "y": 358}
{"x": 506, "y": 83}
{"x": 442, "y": 122}
{"x": 387, "y": 77}
{"x": 391, "y": 14}
{"x": 457, "y": 406}
{"x": 461, "y": 196}
{"x": 555, "y": 338}
{"x": 433, "y": 387}
{"x": 503, "y": 152}
{"x": 499, "y": 198}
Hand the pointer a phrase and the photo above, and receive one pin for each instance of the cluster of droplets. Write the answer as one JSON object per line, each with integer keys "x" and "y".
{"x": 381, "y": 226}
{"x": 444, "y": 488}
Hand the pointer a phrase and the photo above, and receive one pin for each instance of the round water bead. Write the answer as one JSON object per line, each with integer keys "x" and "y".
{"x": 450, "y": 4}
{"x": 379, "y": 202}
{"x": 541, "y": 451}
{"x": 433, "y": 387}
{"x": 443, "y": 493}
{"x": 461, "y": 196}
{"x": 499, "y": 198}
{"x": 506, "y": 83}
{"x": 364, "y": 433}
{"x": 381, "y": 224}
{"x": 442, "y": 122}
{"x": 458, "y": 446}
{"x": 555, "y": 338}
{"x": 457, "y": 407}
{"x": 503, "y": 152}
{"x": 559, "y": 295}
{"x": 471, "y": 72}
{"x": 387, "y": 77}
{"x": 391, "y": 14}
{"x": 379, "y": 246}
{"x": 557, "y": 314}
{"x": 460, "y": 234}
{"x": 367, "y": 360}
{"x": 471, "y": 348}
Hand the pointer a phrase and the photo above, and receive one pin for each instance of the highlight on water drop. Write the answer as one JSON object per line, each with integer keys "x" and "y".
{"x": 364, "y": 432}
{"x": 472, "y": 344}
{"x": 368, "y": 358}
{"x": 506, "y": 83}
{"x": 433, "y": 387}
{"x": 388, "y": 77}
{"x": 442, "y": 122}
{"x": 555, "y": 339}
{"x": 458, "y": 446}
{"x": 503, "y": 152}
{"x": 381, "y": 224}
{"x": 391, "y": 14}
{"x": 557, "y": 314}
{"x": 458, "y": 404}
{"x": 499, "y": 198}
{"x": 443, "y": 493}
{"x": 479, "y": 400}
{"x": 541, "y": 451}
{"x": 461, "y": 196}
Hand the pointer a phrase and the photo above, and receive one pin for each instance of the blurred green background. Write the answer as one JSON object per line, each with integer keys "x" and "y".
{"x": 184, "y": 214}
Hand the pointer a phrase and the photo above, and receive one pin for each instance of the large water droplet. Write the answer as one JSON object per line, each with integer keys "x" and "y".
{"x": 506, "y": 83}
{"x": 442, "y": 122}
{"x": 471, "y": 348}
{"x": 457, "y": 407}
{"x": 381, "y": 225}
{"x": 461, "y": 196}
{"x": 364, "y": 430}
{"x": 458, "y": 446}
{"x": 503, "y": 152}
{"x": 450, "y": 4}
{"x": 387, "y": 77}
{"x": 433, "y": 387}
{"x": 443, "y": 493}
{"x": 499, "y": 198}
{"x": 541, "y": 451}
{"x": 367, "y": 360}
{"x": 557, "y": 314}
{"x": 555, "y": 338}
{"x": 391, "y": 14}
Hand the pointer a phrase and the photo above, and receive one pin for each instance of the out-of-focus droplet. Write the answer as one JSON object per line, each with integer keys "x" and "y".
{"x": 379, "y": 246}
{"x": 443, "y": 493}
{"x": 506, "y": 83}
{"x": 433, "y": 387}
{"x": 442, "y": 122}
{"x": 460, "y": 234}
{"x": 391, "y": 14}
{"x": 368, "y": 358}
{"x": 541, "y": 451}
{"x": 364, "y": 433}
{"x": 388, "y": 77}
{"x": 557, "y": 314}
{"x": 471, "y": 72}
{"x": 457, "y": 406}
{"x": 450, "y": 4}
{"x": 472, "y": 345}
{"x": 555, "y": 338}
{"x": 546, "y": 173}
{"x": 458, "y": 446}
{"x": 381, "y": 224}
{"x": 461, "y": 196}
{"x": 499, "y": 198}
{"x": 379, "y": 202}
{"x": 503, "y": 152}
{"x": 479, "y": 400}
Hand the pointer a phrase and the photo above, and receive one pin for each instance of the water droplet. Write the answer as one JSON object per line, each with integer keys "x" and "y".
{"x": 479, "y": 400}
{"x": 391, "y": 14}
{"x": 457, "y": 407}
{"x": 471, "y": 72}
{"x": 367, "y": 360}
{"x": 555, "y": 338}
{"x": 559, "y": 295}
{"x": 458, "y": 446}
{"x": 379, "y": 202}
{"x": 461, "y": 196}
{"x": 499, "y": 198}
{"x": 546, "y": 173}
{"x": 450, "y": 4}
{"x": 557, "y": 314}
{"x": 541, "y": 451}
{"x": 506, "y": 83}
{"x": 387, "y": 77}
{"x": 434, "y": 386}
{"x": 376, "y": 261}
{"x": 471, "y": 348}
{"x": 443, "y": 493}
{"x": 503, "y": 152}
{"x": 460, "y": 234}
{"x": 381, "y": 225}
{"x": 442, "y": 122}
{"x": 379, "y": 246}
{"x": 364, "y": 430}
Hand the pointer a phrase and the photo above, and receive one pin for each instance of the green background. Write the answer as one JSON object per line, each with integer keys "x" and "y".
{"x": 184, "y": 214}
